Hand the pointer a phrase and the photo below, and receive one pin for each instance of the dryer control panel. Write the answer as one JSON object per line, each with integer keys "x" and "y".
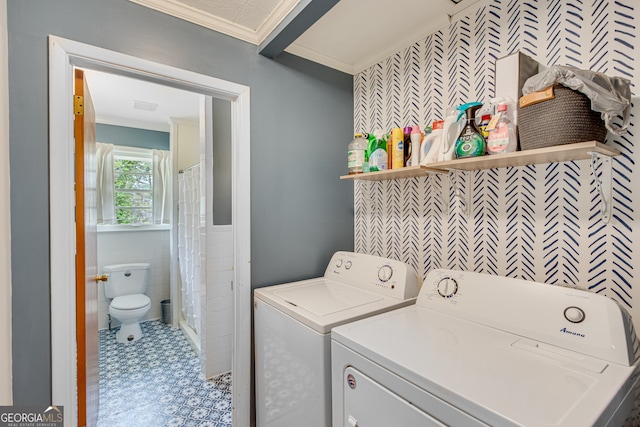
{"x": 568, "y": 318}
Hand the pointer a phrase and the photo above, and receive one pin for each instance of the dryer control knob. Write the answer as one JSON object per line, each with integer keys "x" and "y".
{"x": 447, "y": 287}
{"x": 384, "y": 273}
{"x": 339, "y": 262}
{"x": 574, "y": 314}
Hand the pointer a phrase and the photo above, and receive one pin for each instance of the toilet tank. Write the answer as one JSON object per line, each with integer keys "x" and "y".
{"x": 126, "y": 279}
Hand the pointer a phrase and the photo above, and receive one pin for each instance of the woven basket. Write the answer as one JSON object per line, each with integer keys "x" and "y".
{"x": 565, "y": 119}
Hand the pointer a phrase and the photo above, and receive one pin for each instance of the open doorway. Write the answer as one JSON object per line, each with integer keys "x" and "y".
{"x": 152, "y": 154}
{"x": 64, "y": 55}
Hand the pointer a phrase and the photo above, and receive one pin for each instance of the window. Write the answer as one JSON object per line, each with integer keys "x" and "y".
{"x": 133, "y": 185}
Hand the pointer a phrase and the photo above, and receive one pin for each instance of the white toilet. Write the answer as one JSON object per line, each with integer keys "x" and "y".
{"x": 127, "y": 284}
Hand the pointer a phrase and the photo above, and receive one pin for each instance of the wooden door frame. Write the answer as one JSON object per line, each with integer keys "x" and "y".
{"x": 63, "y": 56}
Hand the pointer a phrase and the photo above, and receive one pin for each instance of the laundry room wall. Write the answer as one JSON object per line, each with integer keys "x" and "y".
{"x": 537, "y": 222}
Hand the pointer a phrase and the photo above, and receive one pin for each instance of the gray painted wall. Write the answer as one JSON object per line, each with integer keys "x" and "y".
{"x": 301, "y": 121}
{"x": 132, "y": 137}
{"x": 222, "y": 197}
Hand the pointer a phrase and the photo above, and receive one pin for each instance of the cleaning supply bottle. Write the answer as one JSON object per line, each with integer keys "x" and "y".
{"x": 454, "y": 122}
{"x": 397, "y": 148}
{"x": 470, "y": 142}
{"x": 502, "y": 137}
{"x": 377, "y": 151}
{"x": 406, "y": 143}
{"x": 431, "y": 148}
{"x": 416, "y": 137}
{"x": 356, "y": 154}
{"x": 482, "y": 127}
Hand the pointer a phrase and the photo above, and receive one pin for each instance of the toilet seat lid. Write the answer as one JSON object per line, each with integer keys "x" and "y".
{"x": 130, "y": 302}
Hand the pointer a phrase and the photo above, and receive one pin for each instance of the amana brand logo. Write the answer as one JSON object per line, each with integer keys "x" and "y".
{"x": 566, "y": 331}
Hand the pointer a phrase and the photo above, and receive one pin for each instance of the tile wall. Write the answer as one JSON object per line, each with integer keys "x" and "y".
{"x": 219, "y": 300}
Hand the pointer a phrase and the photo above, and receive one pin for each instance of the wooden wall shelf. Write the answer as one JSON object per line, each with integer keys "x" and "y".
{"x": 558, "y": 153}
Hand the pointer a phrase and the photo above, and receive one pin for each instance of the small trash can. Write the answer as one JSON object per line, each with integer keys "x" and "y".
{"x": 166, "y": 311}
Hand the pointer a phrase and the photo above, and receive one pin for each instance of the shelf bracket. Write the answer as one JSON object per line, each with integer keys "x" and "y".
{"x": 603, "y": 180}
{"x": 464, "y": 197}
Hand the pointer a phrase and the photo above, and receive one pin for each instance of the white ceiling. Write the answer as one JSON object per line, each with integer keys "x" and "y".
{"x": 350, "y": 37}
{"x": 114, "y": 98}
{"x": 356, "y": 34}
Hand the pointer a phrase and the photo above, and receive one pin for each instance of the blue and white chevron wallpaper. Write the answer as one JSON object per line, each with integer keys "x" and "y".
{"x": 538, "y": 222}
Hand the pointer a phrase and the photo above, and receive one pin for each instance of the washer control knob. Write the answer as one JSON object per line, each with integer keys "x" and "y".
{"x": 447, "y": 287}
{"x": 385, "y": 272}
{"x": 574, "y": 314}
{"x": 339, "y": 262}
{"x": 347, "y": 265}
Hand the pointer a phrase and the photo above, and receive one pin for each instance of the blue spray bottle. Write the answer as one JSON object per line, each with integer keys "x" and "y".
{"x": 470, "y": 142}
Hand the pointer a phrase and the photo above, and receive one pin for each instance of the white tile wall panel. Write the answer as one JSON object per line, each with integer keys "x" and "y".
{"x": 219, "y": 300}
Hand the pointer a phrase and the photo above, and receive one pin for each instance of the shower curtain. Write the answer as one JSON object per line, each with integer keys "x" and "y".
{"x": 190, "y": 244}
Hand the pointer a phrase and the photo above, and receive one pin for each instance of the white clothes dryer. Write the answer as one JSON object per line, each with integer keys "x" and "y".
{"x": 292, "y": 326}
{"x": 484, "y": 350}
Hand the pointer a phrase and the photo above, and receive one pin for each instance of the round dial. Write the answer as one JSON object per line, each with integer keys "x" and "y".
{"x": 385, "y": 273}
{"x": 347, "y": 265}
{"x": 447, "y": 287}
{"x": 574, "y": 314}
{"x": 339, "y": 262}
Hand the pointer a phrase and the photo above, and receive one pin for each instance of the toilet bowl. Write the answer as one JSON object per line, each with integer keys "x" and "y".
{"x": 129, "y": 309}
{"x": 126, "y": 284}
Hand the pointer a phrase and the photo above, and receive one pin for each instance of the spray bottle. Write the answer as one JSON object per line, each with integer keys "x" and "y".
{"x": 470, "y": 141}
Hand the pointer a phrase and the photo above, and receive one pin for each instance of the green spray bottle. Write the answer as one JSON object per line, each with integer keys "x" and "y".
{"x": 470, "y": 142}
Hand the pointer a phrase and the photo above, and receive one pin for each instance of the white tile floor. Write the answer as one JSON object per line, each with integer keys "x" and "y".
{"x": 156, "y": 381}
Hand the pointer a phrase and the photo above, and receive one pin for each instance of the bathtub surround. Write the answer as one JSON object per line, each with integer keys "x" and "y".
{"x": 539, "y": 222}
{"x": 156, "y": 381}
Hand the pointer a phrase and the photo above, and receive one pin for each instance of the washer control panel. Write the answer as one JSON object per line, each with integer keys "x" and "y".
{"x": 381, "y": 275}
{"x": 447, "y": 287}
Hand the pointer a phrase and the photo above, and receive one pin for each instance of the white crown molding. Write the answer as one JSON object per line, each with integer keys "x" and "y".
{"x": 207, "y": 20}
{"x": 274, "y": 19}
{"x": 321, "y": 58}
{"x": 201, "y": 18}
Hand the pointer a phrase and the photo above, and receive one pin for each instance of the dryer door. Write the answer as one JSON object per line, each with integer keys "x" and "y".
{"x": 367, "y": 403}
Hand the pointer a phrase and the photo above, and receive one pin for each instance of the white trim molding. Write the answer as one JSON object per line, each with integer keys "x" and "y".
{"x": 63, "y": 56}
{"x": 224, "y": 26}
{"x": 6, "y": 385}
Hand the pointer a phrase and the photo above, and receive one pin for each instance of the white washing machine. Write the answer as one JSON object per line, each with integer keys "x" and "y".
{"x": 293, "y": 322}
{"x": 482, "y": 350}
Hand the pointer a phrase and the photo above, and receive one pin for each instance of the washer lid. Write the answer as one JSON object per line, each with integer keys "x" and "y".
{"x": 322, "y": 304}
{"x": 130, "y": 302}
{"x": 323, "y": 298}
